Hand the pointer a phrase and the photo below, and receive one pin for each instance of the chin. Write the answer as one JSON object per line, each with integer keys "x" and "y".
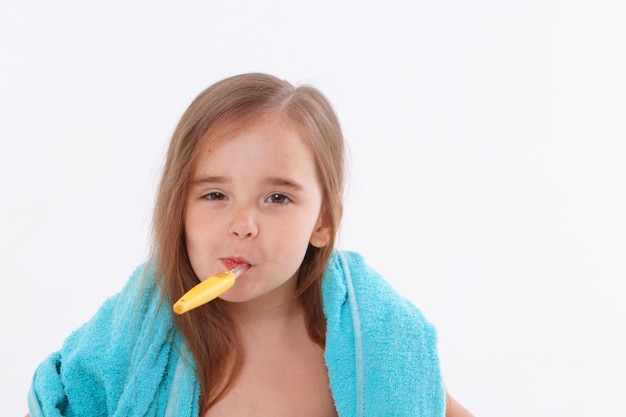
{"x": 236, "y": 298}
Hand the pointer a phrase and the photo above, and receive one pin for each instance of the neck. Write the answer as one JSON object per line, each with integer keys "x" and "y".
{"x": 257, "y": 312}
{"x": 266, "y": 325}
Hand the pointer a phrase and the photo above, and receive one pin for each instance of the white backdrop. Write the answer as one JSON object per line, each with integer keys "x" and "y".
{"x": 488, "y": 147}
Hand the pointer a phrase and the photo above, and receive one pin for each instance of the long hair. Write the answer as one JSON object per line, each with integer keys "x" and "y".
{"x": 210, "y": 333}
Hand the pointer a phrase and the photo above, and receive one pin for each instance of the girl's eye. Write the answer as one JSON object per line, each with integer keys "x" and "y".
{"x": 214, "y": 196}
{"x": 278, "y": 198}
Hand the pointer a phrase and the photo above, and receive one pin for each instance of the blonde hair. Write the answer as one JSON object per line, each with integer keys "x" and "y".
{"x": 209, "y": 332}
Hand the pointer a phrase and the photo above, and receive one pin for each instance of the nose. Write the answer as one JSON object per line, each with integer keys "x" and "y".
{"x": 244, "y": 225}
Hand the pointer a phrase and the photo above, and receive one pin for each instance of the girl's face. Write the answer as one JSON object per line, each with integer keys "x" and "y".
{"x": 255, "y": 199}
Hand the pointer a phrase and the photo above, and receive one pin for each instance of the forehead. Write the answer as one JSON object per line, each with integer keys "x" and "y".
{"x": 232, "y": 127}
{"x": 267, "y": 141}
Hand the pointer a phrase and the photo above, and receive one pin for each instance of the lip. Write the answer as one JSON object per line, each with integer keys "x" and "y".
{"x": 231, "y": 263}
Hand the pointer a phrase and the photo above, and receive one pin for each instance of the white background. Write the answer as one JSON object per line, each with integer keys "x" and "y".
{"x": 488, "y": 181}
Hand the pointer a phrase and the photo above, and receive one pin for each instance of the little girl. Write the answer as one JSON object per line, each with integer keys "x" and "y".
{"x": 254, "y": 175}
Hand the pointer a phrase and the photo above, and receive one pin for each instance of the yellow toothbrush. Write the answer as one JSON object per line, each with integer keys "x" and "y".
{"x": 208, "y": 290}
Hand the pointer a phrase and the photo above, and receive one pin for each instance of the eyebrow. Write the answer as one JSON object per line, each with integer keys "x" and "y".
{"x": 209, "y": 180}
{"x": 284, "y": 182}
{"x": 276, "y": 181}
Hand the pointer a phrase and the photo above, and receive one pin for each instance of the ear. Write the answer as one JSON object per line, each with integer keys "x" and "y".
{"x": 322, "y": 233}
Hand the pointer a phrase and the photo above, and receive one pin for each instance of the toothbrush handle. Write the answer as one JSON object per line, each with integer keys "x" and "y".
{"x": 204, "y": 292}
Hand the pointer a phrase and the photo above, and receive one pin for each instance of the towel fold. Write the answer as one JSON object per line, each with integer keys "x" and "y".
{"x": 123, "y": 362}
{"x": 381, "y": 352}
{"x": 129, "y": 360}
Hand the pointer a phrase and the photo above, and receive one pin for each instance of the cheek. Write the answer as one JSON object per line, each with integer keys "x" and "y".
{"x": 197, "y": 239}
{"x": 190, "y": 231}
{"x": 292, "y": 237}
{"x": 197, "y": 222}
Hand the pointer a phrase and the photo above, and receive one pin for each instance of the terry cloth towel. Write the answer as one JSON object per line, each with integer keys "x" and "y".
{"x": 128, "y": 360}
{"x": 381, "y": 352}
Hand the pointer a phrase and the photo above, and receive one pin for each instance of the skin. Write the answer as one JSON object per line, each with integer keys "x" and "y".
{"x": 455, "y": 409}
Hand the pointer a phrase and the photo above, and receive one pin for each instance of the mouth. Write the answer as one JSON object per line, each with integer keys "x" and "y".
{"x": 232, "y": 263}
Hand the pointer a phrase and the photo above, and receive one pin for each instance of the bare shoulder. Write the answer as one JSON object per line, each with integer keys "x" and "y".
{"x": 455, "y": 409}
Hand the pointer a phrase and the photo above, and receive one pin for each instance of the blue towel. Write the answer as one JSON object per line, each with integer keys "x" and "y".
{"x": 126, "y": 361}
{"x": 129, "y": 360}
{"x": 380, "y": 350}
